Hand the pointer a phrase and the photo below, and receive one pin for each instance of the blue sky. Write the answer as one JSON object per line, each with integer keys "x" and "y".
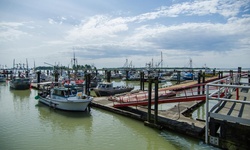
{"x": 107, "y": 33}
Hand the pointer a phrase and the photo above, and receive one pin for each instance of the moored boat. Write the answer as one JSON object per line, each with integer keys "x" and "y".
{"x": 2, "y": 78}
{"x": 107, "y": 89}
{"x": 20, "y": 83}
{"x": 64, "y": 98}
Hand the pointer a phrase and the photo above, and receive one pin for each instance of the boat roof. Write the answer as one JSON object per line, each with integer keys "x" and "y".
{"x": 47, "y": 83}
{"x": 105, "y": 83}
{"x": 61, "y": 89}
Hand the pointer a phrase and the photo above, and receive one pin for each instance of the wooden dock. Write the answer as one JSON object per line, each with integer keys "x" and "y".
{"x": 228, "y": 128}
{"x": 175, "y": 119}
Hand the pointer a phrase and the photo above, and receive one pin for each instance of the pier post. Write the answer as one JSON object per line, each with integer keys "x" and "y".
{"x": 56, "y": 77}
{"x": 231, "y": 77}
{"x": 27, "y": 73}
{"x": 11, "y": 75}
{"x": 89, "y": 80}
{"x": 68, "y": 75}
{"x": 203, "y": 81}
{"x": 239, "y": 71}
{"x": 213, "y": 72}
{"x": 178, "y": 77}
{"x": 96, "y": 72}
{"x": 127, "y": 75}
{"x": 7, "y": 74}
{"x": 156, "y": 101}
{"x": 220, "y": 75}
{"x": 248, "y": 77}
{"x": 149, "y": 99}
{"x": 108, "y": 76}
{"x": 142, "y": 81}
{"x": 199, "y": 81}
{"x": 87, "y": 83}
{"x": 38, "y": 79}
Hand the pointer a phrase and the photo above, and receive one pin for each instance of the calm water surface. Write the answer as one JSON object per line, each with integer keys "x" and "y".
{"x": 26, "y": 124}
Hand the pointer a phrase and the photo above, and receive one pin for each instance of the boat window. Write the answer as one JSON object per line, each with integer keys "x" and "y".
{"x": 73, "y": 92}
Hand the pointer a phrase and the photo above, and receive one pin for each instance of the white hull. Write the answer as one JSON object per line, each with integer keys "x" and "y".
{"x": 64, "y": 104}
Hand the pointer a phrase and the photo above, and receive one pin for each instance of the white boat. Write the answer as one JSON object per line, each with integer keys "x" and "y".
{"x": 64, "y": 99}
{"x": 107, "y": 89}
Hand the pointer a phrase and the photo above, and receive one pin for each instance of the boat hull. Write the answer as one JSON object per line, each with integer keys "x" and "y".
{"x": 103, "y": 92}
{"x": 20, "y": 86}
{"x": 79, "y": 105}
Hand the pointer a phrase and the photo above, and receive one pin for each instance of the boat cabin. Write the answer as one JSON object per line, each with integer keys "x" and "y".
{"x": 64, "y": 92}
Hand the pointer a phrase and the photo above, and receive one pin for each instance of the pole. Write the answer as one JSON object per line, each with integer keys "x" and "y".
{"x": 156, "y": 100}
{"x": 199, "y": 81}
{"x": 149, "y": 99}
{"x": 207, "y": 114}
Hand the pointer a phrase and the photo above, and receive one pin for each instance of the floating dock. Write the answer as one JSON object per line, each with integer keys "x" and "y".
{"x": 135, "y": 106}
{"x": 217, "y": 129}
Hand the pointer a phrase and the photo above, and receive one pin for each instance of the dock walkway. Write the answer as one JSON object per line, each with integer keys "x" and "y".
{"x": 173, "y": 118}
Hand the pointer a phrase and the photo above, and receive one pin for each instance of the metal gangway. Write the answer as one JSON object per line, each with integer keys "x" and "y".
{"x": 234, "y": 107}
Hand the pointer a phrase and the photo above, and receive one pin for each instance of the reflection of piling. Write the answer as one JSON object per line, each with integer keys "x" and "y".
{"x": 142, "y": 81}
{"x": 87, "y": 83}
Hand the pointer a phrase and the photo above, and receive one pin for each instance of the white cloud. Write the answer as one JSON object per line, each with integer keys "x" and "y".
{"x": 10, "y": 31}
{"x": 51, "y": 21}
{"x": 97, "y": 27}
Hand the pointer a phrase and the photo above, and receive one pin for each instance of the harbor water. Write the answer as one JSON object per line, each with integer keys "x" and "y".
{"x": 27, "y": 124}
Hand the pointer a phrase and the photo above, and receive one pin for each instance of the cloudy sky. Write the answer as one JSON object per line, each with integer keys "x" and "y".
{"x": 106, "y": 33}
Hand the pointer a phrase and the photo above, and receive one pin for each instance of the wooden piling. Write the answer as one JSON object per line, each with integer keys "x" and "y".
{"x": 156, "y": 101}
{"x": 149, "y": 99}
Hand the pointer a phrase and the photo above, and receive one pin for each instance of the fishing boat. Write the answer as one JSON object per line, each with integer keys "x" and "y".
{"x": 68, "y": 99}
{"x": 20, "y": 83}
{"x": 174, "y": 77}
{"x": 2, "y": 78}
{"x": 107, "y": 89}
{"x": 189, "y": 76}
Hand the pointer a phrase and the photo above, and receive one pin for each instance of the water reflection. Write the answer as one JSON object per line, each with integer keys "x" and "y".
{"x": 184, "y": 142}
{"x": 20, "y": 99}
{"x": 147, "y": 137}
{"x": 20, "y": 94}
{"x": 65, "y": 121}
